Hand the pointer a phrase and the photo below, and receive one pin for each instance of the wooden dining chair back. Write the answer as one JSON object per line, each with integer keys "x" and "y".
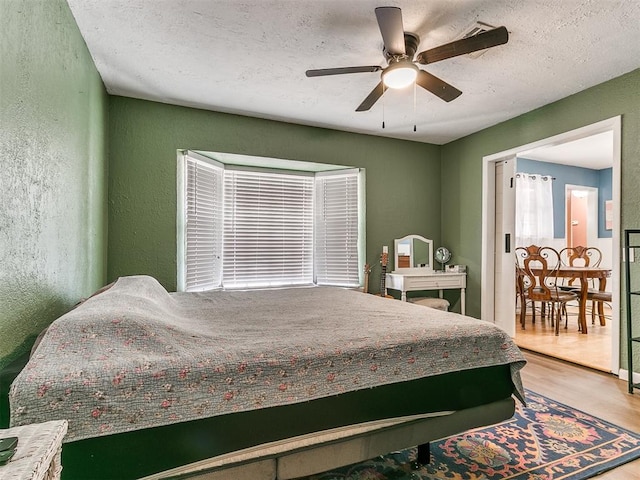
{"x": 580, "y": 256}
{"x": 587, "y": 257}
{"x": 538, "y": 268}
{"x": 523, "y": 298}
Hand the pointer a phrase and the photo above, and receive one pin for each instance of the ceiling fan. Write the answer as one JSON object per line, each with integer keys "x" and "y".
{"x": 400, "y": 52}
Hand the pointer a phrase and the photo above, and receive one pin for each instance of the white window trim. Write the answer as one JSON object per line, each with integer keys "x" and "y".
{"x": 182, "y": 206}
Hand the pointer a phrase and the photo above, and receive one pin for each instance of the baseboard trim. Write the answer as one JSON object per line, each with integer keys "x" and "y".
{"x": 624, "y": 375}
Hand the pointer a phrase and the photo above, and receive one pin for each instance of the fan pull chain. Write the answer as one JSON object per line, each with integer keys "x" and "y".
{"x": 383, "y": 105}
{"x": 414, "y": 106}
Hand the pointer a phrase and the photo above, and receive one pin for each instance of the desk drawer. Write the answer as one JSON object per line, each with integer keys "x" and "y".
{"x": 434, "y": 282}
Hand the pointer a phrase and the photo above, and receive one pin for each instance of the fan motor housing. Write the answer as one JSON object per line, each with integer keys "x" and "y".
{"x": 411, "y": 42}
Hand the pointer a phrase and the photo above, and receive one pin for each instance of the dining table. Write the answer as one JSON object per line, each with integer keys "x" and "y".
{"x": 584, "y": 274}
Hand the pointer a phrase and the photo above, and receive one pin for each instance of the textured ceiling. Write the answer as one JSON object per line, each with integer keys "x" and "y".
{"x": 249, "y": 57}
{"x": 595, "y": 152}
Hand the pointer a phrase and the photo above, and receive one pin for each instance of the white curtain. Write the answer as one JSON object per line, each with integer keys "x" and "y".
{"x": 534, "y": 209}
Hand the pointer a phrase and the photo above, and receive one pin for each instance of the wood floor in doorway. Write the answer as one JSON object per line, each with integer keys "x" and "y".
{"x": 592, "y": 350}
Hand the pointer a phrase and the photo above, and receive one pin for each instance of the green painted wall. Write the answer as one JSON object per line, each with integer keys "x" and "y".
{"x": 57, "y": 125}
{"x": 462, "y": 165}
{"x": 53, "y": 167}
{"x": 402, "y": 178}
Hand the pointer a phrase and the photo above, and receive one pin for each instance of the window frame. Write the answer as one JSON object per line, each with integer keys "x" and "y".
{"x": 234, "y": 162}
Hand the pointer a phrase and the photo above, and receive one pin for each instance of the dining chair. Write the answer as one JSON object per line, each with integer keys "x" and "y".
{"x": 577, "y": 256}
{"x": 538, "y": 272}
{"x": 523, "y": 298}
{"x": 580, "y": 256}
{"x": 598, "y": 299}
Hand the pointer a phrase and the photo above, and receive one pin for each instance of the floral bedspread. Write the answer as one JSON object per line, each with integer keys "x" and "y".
{"x": 136, "y": 356}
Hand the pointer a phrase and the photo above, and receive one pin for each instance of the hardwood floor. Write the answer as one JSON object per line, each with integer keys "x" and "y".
{"x": 597, "y": 393}
{"x": 591, "y": 350}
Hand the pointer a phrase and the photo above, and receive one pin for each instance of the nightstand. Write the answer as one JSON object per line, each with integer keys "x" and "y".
{"x": 38, "y": 452}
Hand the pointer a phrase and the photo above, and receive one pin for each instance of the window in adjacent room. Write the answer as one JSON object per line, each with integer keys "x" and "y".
{"x": 241, "y": 225}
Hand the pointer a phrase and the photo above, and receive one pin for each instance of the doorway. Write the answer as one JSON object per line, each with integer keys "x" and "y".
{"x": 581, "y": 214}
{"x": 497, "y": 285}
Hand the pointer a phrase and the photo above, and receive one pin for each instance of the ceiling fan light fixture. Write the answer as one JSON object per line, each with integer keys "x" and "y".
{"x": 400, "y": 74}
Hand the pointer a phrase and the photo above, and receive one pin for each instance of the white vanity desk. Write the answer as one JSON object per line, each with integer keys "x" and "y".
{"x": 433, "y": 280}
{"x": 414, "y": 270}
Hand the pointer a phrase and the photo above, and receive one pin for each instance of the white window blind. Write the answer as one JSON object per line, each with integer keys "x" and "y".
{"x": 268, "y": 229}
{"x": 243, "y": 227}
{"x": 336, "y": 224}
{"x": 203, "y": 218}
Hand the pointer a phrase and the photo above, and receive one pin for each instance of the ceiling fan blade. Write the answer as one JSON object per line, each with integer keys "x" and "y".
{"x": 490, "y": 38}
{"x": 390, "y": 23}
{"x": 438, "y": 87}
{"x": 372, "y": 98}
{"x": 341, "y": 70}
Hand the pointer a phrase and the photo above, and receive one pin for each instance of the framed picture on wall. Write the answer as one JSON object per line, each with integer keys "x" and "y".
{"x": 608, "y": 214}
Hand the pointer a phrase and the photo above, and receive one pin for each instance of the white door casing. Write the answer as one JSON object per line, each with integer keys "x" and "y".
{"x": 489, "y": 295}
{"x": 504, "y": 270}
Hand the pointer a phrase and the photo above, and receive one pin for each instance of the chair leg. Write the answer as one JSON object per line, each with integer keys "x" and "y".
{"x": 553, "y": 308}
{"x": 533, "y": 312}
{"x": 603, "y": 321}
{"x": 597, "y": 308}
{"x": 566, "y": 315}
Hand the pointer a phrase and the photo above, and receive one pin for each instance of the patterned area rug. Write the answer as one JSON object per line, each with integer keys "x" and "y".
{"x": 545, "y": 440}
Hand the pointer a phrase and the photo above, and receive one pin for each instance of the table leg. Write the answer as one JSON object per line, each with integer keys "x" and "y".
{"x": 403, "y": 296}
{"x": 462, "y": 300}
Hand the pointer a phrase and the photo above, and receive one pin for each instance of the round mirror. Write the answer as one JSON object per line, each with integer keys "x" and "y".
{"x": 443, "y": 255}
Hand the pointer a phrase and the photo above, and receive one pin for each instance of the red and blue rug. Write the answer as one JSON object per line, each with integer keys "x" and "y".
{"x": 545, "y": 440}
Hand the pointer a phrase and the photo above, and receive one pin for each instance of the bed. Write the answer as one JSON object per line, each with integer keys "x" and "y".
{"x": 165, "y": 384}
